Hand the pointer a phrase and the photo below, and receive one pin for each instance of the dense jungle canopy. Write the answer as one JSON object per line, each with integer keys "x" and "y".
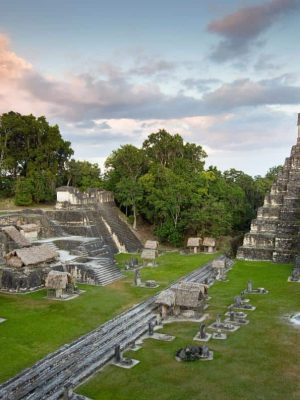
{"x": 164, "y": 183}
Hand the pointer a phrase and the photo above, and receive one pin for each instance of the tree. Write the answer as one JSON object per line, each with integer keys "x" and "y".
{"x": 129, "y": 193}
{"x": 171, "y": 152}
{"x": 24, "y": 190}
{"x": 124, "y": 168}
{"x": 31, "y": 148}
{"x": 83, "y": 175}
{"x": 166, "y": 198}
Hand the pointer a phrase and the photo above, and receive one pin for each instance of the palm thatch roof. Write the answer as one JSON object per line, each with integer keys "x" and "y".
{"x": 58, "y": 280}
{"x": 16, "y": 236}
{"x": 148, "y": 254}
{"x": 194, "y": 242}
{"x": 209, "y": 242}
{"x": 218, "y": 264}
{"x": 183, "y": 294}
{"x": 151, "y": 244}
{"x": 30, "y": 256}
{"x": 29, "y": 228}
{"x": 189, "y": 294}
{"x": 166, "y": 297}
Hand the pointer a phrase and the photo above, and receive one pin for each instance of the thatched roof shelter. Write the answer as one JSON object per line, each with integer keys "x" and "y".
{"x": 30, "y": 256}
{"x": 189, "y": 294}
{"x": 166, "y": 297}
{"x": 194, "y": 242}
{"x": 148, "y": 254}
{"x": 151, "y": 244}
{"x": 183, "y": 294}
{"x": 218, "y": 264}
{"x": 16, "y": 236}
{"x": 209, "y": 242}
{"x": 58, "y": 280}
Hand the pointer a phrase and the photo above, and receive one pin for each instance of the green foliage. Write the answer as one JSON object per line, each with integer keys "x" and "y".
{"x": 7, "y": 187}
{"x": 32, "y": 149}
{"x": 167, "y": 232}
{"x": 83, "y": 175}
{"x": 43, "y": 186}
{"x": 213, "y": 218}
{"x": 170, "y": 151}
{"x": 165, "y": 182}
{"x": 124, "y": 168}
{"x": 24, "y": 189}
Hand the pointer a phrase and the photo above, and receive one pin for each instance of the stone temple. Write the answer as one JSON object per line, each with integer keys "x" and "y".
{"x": 80, "y": 237}
{"x": 274, "y": 234}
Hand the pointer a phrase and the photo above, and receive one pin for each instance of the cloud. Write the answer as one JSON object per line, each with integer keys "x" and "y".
{"x": 201, "y": 85}
{"x": 265, "y": 63}
{"x": 90, "y": 124}
{"x": 241, "y": 30}
{"x": 12, "y": 67}
{"x": 247, "y": 93}
{"x": 85, "y": 99}
{"x": 150, "y": 67}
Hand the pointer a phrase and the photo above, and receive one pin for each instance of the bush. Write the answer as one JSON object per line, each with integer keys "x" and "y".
{"x": 43, "y": 186}
{"x": 7, "y": 187}
{"x": 167, "y": 232}
{"x": 24, "y": 190}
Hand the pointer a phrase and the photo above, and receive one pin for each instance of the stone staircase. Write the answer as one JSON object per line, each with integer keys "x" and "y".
{"x": 99, "y": 229}
{"x": 97, "y": 220}
{"x": 110, "y": 214}
{"x": 274, "y": 234}
{"x": 96, "y": 270}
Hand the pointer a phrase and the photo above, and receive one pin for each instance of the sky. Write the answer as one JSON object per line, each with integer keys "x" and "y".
{"x": 224, "y": 75}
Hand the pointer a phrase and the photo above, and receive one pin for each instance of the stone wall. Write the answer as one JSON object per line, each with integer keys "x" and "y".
{"x": 68, "y": 197}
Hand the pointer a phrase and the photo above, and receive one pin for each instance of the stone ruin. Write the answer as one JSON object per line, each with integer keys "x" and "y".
{"x": 219, "y": 267}
{"x": 295, "y": 275}
{"x": 22, "y": 265}
{"x": 193, "y": 353}
{"x": 84, "y": 232}
{"x": 274, "y": 234}
{"x": 60, "y": 285}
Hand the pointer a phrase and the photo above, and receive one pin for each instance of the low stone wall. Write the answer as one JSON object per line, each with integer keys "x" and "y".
{"x": 23, "y": 279}
{"x": 68, "y": 197}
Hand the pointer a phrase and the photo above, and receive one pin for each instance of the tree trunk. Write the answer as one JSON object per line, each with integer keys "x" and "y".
{"x": 134, "y": 216}
{"x": 3, "y": 150}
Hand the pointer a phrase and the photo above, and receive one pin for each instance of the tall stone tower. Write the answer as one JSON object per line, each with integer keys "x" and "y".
{"x": 274, "y": 234}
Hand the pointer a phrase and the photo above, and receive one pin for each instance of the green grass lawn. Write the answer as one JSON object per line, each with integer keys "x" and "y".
{"x": 36, "y": 326}
{"x": 261, "y": 361}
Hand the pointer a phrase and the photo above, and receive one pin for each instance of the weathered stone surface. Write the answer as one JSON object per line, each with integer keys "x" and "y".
{"x": 274, "y": 234}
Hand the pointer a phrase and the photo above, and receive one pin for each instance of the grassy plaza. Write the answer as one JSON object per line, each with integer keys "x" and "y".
{"x": 36, "y": 326}
{"x": 259, "y": 361}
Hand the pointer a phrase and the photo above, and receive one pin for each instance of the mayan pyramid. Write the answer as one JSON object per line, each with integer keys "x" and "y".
{"x": 274, "y": 234}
